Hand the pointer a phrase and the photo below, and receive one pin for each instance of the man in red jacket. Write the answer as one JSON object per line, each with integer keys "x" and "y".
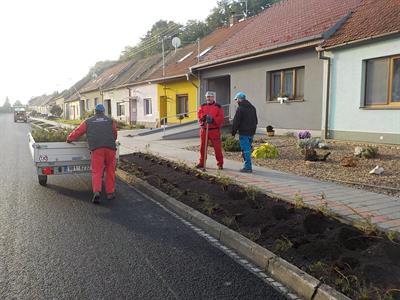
{"x": 101, "y": 133}
{"x": 211, "y": 114}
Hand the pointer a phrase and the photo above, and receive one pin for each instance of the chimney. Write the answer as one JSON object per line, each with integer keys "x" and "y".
{"x": 233, "y": 19}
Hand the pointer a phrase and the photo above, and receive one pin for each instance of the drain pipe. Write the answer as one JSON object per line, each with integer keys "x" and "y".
{"x": 197, "y": 87}
{"x": 328, "y": 87}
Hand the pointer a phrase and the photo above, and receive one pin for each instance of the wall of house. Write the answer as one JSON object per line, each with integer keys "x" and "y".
{"x": 89, "y": 100}
{"x": 147, "y": 91}
{"x": 118, "y": 96}
{"x": 347, "y": 119}
{"x": 170, "y": 90}
{"x": 251, "y": 78}
{"x": 74, "y": 110}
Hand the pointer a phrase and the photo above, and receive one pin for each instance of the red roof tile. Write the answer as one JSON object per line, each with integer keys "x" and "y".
{"x": 370, "y": 19}
{"x": 284, "y": 22}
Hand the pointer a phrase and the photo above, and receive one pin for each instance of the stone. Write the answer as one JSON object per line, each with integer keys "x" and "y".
{"x": 377, "y": 170}
{"x": 358, "y": 151}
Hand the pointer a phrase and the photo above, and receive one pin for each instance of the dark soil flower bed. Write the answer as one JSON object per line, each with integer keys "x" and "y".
{"x": 361, "y": 265}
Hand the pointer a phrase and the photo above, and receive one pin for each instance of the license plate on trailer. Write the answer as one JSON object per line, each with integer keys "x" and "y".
{"x": 78, "y": 168}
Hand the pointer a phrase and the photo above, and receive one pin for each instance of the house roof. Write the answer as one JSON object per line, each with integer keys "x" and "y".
{"x": 372, "y": 18}
{"x": 106, "y": 77}
{"x": 284, "y": 23}
{"x": 138, "y": 71}
{"x": 179, "y": 62}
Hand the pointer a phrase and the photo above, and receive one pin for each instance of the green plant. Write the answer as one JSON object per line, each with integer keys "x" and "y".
{"x": 253, "y": 236}
{"x": 230, "y": 144}
{"x": 311, "y": 143}
{"x": 370, "y": 152}
{"x": 87, "y": 114}
{"x": 208, "y": 206}
{"x": 298, "y": 200}
{"x": 265, "y": 151}
{"x": 365, "y": 223}
{"x": 392, "y": 235}
{"x": 319, "y": 268}
{"x": 54, "y": 135}
{"x": 228, "y": 221}
{"x": 282, "y": 245}
{"x": 251, "y": 193}
{"x": 225, "y": 180}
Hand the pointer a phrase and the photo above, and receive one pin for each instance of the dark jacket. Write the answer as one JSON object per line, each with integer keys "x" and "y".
{"x": 245, "y": 120}
{"x": 101, "y": 132}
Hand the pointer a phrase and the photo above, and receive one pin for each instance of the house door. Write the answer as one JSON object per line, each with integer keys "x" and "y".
{"x": 82, "y": 108}
{"x": 107, "y": 106}
{"x": 163, "y": 110}
{"x": 133, "y": 106}
{"x": 222, "y": 86}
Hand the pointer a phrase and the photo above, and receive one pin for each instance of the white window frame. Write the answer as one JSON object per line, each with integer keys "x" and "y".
{"x": 150, "y": 112}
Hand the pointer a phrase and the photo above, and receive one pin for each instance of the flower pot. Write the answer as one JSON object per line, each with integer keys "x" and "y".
{"x": 270, "y": 133}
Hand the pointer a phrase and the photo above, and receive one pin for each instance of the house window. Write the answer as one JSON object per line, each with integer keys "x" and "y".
{"x": 287, "y": 83}
{"x": 96, "y": 101}
{"x": 87, "y": 104}
{"x": 382, "y": 82}
{"x": 182, "y": 105}
{"x": 120, "y": 109}
{"x": 147, "y": 107}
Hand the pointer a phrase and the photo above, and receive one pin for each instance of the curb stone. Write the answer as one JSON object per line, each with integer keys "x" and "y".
{"x": 302, "y": 283}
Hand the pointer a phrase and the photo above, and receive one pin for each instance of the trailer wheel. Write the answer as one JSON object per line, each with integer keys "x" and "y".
{"x": 42, "y": 180}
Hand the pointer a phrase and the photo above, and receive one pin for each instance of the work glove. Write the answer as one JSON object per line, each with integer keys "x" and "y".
{"x": 203, "y": 118}
{"x": 209, "y": 119}
{"x": 69, "y": 142}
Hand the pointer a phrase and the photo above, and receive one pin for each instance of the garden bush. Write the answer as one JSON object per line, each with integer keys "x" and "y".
{"x": 230, "y": 144}
{"x": 265, "y": 151}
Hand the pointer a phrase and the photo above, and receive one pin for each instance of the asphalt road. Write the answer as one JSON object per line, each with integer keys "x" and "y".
{"x": 55, "y": 244}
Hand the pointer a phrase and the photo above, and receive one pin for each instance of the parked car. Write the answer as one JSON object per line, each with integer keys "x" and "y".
{"x": 20, "y": 114}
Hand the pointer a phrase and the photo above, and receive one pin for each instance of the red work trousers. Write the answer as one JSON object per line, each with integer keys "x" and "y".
{"x": 214, "y": 136}
{"x": 103, "y": 160}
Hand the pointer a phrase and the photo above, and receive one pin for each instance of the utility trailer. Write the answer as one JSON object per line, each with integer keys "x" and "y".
{"x": 60, "y": 158}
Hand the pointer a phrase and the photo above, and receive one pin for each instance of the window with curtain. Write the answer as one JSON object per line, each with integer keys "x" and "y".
{"x": 287, "y": 83}
{"x": 382, "y": 81}
{"x": 147, "y": 106}
{"x": 182, "y": 104}
{"x": 120, "y": 109}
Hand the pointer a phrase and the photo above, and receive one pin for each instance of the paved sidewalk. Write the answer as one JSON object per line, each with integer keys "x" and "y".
{"x": 348, "y": 202}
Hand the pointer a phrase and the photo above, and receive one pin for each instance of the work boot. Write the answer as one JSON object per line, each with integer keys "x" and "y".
{"x": 110, "y": 196}
{"x": 96, "y": 198}
{"x": 199, "y": 166}
{"x": 246, "y": 170}
{"x": 220, "y": 167}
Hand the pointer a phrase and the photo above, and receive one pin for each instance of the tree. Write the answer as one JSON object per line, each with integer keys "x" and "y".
{"x": 56, "y": 110}
{"x": 151, "y": 43}
{"x": 7, "y": 104}
{"x": 17, "y": 103}
{"x": 193, "y": 30}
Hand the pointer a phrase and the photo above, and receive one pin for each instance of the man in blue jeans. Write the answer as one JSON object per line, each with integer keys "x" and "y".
{"x": 245, "y": 122}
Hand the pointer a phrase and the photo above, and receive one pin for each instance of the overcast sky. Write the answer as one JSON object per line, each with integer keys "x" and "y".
{"x": 47, "y": 45}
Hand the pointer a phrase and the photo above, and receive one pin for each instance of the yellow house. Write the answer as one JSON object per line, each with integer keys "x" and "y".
{"x": 177, "y": 100}
{"x": 178, "y": 88}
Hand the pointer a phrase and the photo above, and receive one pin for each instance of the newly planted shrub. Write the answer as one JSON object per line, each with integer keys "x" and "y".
{"x": 265, "y": 151}
{"x": 369, "y": 152}
{"x": 231, "y": 144}
{"x": 308, "y": 143}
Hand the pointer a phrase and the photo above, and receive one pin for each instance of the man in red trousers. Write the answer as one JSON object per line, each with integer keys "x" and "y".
{"x": 211, "y": 114}
{"x": 101, "y": 133}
